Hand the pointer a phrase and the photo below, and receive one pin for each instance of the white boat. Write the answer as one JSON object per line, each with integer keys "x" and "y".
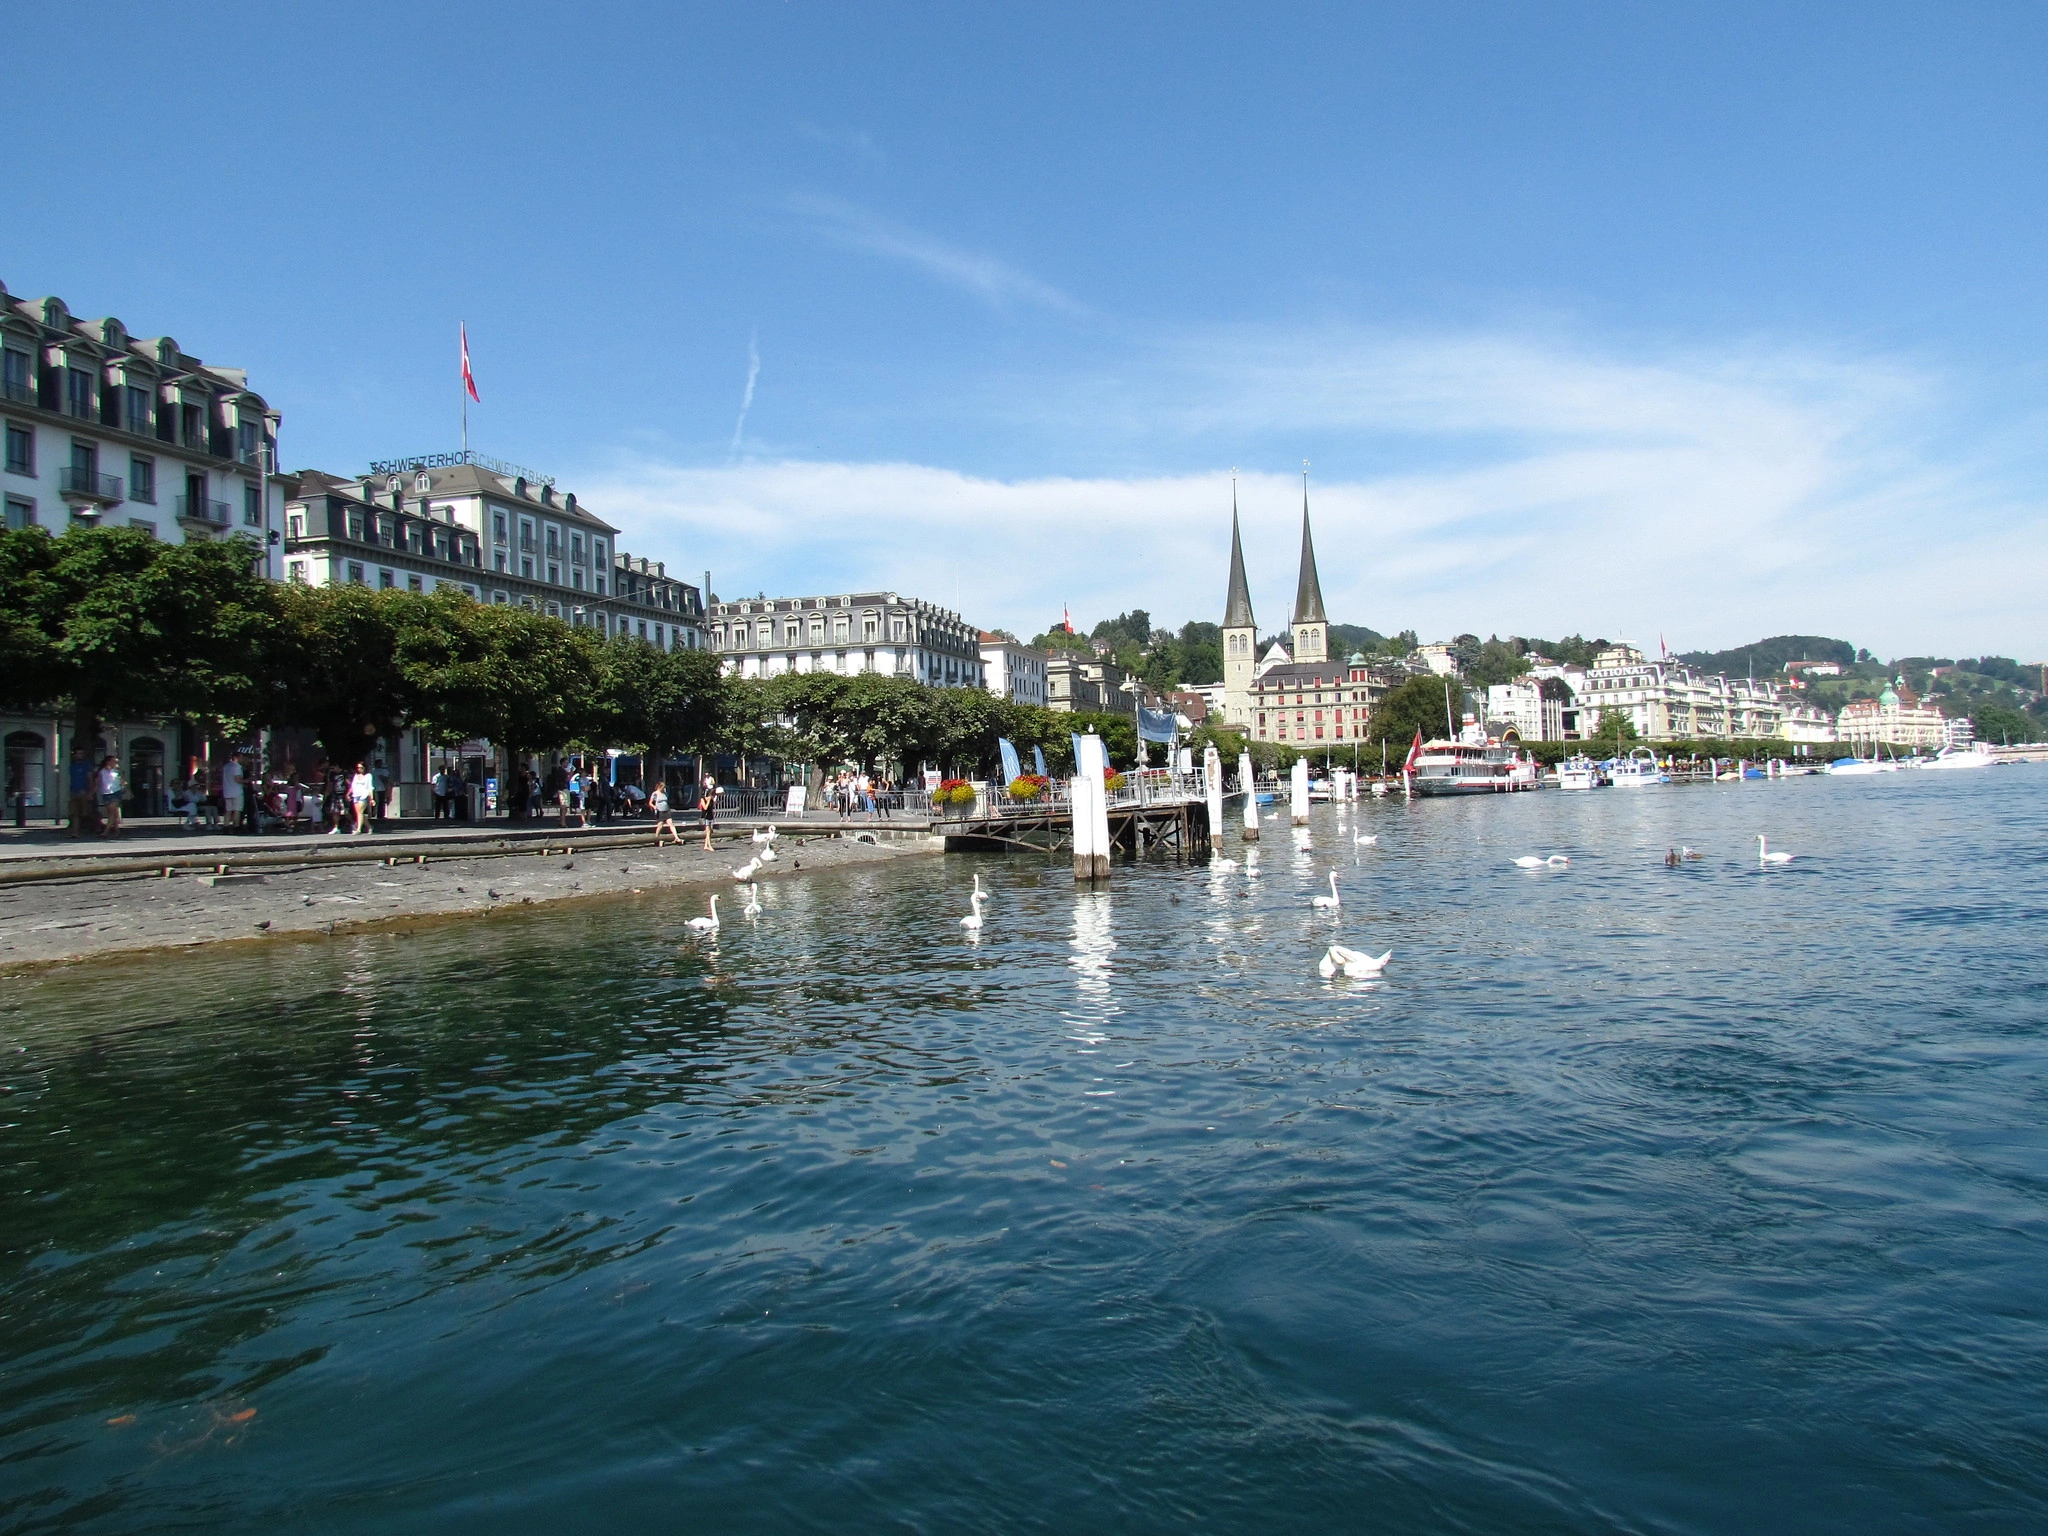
{"x": 1976, "y": 755}
{"x": 1469, "y": 768}
{"x": 1855, "y": 766}
{"x": 1578, "y": 772}
{"x": 1635, "y": 770}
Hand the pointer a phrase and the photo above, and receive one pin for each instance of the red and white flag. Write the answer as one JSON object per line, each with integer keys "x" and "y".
{"x": 1414, "y": 752}
{"x": 1066, "y": 619}
{"x": 468, "y": 378}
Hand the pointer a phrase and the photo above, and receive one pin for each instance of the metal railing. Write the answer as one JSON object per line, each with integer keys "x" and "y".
{"x": 19, "y": 390}
{"x": 197, "y": 509}
{"x": 88, "y": 483}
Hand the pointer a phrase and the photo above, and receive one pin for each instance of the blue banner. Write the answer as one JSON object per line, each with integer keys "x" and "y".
{"x": 1038, "y": 757}
{"x": 1156, "y": 724}
{"x": 1012, "y": 769}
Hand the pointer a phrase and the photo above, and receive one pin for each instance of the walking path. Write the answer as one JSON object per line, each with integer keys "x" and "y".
{"x": 65, "y": 902}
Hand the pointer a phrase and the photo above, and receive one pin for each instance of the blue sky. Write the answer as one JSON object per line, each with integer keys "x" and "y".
{"x": 1707, "y": 322}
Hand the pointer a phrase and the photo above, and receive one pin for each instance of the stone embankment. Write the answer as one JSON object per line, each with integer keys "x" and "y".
{"x": 49, "y": 916}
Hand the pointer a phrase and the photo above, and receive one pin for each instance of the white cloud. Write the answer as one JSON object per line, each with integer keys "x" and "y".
{"x": 987, "y": 277}
{"x": 1710, "y": 499}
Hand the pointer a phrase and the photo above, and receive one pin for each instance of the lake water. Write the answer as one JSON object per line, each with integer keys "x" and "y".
{"x": 1632, "y": 1199}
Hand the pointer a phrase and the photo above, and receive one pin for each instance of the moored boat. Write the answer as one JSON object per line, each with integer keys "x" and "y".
{"x": 1469, "y": 768}
{"x": 1634, "y": 771}
{"x": 1578, "y": 772}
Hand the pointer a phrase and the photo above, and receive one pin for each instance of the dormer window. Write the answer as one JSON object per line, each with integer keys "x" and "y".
{"x": 519, "y": 486}
{"x": 422, "y": 483}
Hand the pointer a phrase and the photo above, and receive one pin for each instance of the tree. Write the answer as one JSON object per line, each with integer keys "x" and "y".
{"x": 1057, "y": 639}
{"x": 1201, "y": 653}
{"x": 1134, "y": 627}
{"x": 1496, "y": 661}
{"x": 668, "y": 702}
{"x": 1614, "y": 732}
{"x": 31, "y": 670}
{"x": 1997, "y": 724}
{"x": 337, "y": 657}
{"x": 1426, "y": 703}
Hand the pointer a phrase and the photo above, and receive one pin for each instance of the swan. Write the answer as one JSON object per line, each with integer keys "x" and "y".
{"x": 1223, "y": 864}
{"x": 972, "y": 921}
{"x": 753, "y": 906}
{"x": 1764, "y": 854}
{"x": 1368, "y": 840}
{"x": 705, "y": 924}
{"x": 766, "y": 834}
{"x": 747, "y": 871}
{"x": 1330, "y": 900}
{"x": 1528, "y": 861}
{"x": 1351, "y": 962}
{"x": 768, "y": 855}
{"x": 1557, "y": 861}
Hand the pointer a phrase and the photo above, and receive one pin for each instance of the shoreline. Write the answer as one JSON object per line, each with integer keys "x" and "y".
{"x": 44, "y": 925}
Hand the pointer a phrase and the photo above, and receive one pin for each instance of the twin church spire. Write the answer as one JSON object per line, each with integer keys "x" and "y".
{"x": 1309, "y": 637}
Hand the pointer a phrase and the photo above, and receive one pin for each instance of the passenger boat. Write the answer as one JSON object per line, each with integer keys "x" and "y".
{"x": 1472, "y": 768}
{"x": 1635, "y": 770}
{"x": 1578, "y": 772}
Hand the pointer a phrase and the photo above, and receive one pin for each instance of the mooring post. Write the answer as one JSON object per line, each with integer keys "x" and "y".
{"x": 1249, "y": 780}
{"x": 1298, "y": 791}
{"x": 1212, "y": 781}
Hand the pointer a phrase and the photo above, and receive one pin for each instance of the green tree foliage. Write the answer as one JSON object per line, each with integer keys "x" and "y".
{"x": 1057, "y": 639}
{"x": 1133, "y": 628}
{"x": 1575, "y": 650}
{"x": 1613, "y": 734}
{"x": 1997, "y": 724}
{"x": 1768, "y": 657}
{"x": 1419, "y": 704}
{"x": 1495, "y": 661}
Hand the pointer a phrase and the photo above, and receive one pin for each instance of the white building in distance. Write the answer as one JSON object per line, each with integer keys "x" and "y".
{"x": 848, "y": 634}
{"x": 1014, "y": 670}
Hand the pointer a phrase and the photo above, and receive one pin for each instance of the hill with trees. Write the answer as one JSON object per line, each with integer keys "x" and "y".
{"x": 1768, "y": 657}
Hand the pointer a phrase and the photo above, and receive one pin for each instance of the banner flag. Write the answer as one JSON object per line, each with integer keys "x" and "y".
{"x": 1156, "y": 724}
{"x": 1038, "y": 758}
{"x": 468, "y": 378}
{"x": 1012, "y": 769}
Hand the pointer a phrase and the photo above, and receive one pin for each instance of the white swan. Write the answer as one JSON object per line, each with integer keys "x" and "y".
{"x": 1557, "y": 861}
{"x": 747, "y": 871}
{"x": 1765, "y": 856}
{"x": 753, "y": 906}
{"x": 1368, "y": 840}
{"x": 1223, "y": 863}
{"x": 1528, "y": 861}
{"x": 972, "y": 921}
{"x": 1330, "y": 900}
{"x": 705, "y": 924}
{"x": 766, "y": 834}
{"x": 1354, "y": 964}
{"x": 768, "y": 855}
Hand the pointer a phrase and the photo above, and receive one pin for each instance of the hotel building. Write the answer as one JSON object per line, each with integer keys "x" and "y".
{"x": 850, "y": 633}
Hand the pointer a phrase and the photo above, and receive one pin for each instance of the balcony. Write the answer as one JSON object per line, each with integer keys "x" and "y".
{"x": 20, "y": 391}
{"x": 86, "y": 485}
{"x": 197, "y": 509}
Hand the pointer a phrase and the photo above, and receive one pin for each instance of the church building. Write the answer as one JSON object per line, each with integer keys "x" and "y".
{"x": 1303, "y": 697}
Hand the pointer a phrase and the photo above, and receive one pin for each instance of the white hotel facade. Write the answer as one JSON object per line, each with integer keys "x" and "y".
{"x": 849, "y": 633}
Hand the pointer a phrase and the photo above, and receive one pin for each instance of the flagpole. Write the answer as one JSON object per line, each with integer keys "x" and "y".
{"x": 463, "y": 384}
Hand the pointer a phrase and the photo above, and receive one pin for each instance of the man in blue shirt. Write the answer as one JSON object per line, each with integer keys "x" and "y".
{"x": 84, "y": 804}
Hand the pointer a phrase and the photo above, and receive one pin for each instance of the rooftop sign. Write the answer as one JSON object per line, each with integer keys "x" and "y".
{"x": 453, "y": 460}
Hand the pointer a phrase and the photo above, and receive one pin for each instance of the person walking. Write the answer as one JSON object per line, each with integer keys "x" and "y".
{"x": 707, "y": 812}
{"x": 231, "y": 791}
{"x": 84, "y": 802}
{"x": 657, "y": 807}
{"x": 362, "y": 794}
{"x": 109, "y": 785}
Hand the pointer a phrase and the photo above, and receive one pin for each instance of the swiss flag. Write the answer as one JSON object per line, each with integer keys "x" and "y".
{"x": 1414, "y": 752}
{"x": 468, "y": 379}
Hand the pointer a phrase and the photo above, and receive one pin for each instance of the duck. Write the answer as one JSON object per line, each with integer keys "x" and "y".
{"x": 753, "y": 906}
{"x": 1332, "y": 900}
{"x": 1671, "y": 859}
{"x": 1764, "y": 855}
{"x": 1689, "y": 853}
{"x": 705, "y": 924}
{"x": 1353, "y": 963}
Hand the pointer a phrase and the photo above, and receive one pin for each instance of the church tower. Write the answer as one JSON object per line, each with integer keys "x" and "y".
{"x": 1240, "y": 632}
{"x": 1311, "y": 624}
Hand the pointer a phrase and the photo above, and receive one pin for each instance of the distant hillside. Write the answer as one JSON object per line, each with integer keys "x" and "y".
{"x": 1346, "y": 638}
{"x": 1771, "y": 655}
